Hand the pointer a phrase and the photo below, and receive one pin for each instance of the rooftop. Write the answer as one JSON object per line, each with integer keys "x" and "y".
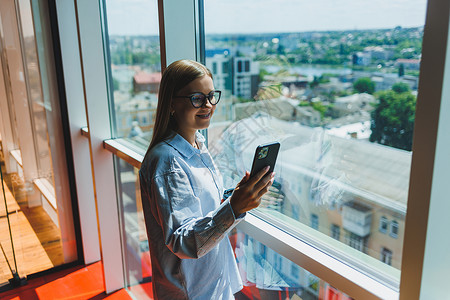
{"x": 146, "y": 78}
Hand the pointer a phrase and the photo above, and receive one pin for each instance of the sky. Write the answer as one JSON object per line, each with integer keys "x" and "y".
{"x": 139, "y": 17}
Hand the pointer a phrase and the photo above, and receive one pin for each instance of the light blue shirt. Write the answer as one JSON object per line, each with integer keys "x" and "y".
{"x": 187, "y": 225}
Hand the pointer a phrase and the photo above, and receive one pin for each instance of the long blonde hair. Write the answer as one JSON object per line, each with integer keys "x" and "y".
{"x": 176, "y": 76}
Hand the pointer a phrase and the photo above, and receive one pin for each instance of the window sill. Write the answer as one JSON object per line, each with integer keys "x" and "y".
{"x": 17, "y": 156}
{"x": 47, "y": 190}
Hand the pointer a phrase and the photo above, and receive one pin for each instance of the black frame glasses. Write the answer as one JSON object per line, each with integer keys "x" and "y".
{"x": 199, "y": 99}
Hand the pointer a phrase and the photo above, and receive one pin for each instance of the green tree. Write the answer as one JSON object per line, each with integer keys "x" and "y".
{"x": 401, "y": 70}
{"x": 116, "y": 84}
{"x": 364, "y": 85}
{"x": 393, "y": 119}
{"x": 400, "y": 87}
{"x": 320, "y": 107}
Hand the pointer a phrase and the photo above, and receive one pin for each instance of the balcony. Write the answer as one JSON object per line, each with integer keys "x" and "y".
{"x": 357, "y": 218}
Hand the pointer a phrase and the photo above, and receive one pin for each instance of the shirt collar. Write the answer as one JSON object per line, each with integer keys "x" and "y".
{"x": 184, "y": 147}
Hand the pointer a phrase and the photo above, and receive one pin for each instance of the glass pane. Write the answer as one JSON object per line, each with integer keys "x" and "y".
{"x": 38, "y": 107}
{"x": 39, "y": 203}
{"x": 336, "y": 85}
{"x": 8, "y": 263}
{"x": 135, "y": 70}
{"x": 268, "y": 275}
{"x": 136, "y": 255}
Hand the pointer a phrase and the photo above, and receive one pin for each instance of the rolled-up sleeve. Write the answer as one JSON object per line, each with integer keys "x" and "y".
{"x": 187, "y": 232}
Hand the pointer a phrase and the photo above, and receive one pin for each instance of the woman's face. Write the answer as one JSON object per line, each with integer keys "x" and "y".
{"x": 189, "y": 118}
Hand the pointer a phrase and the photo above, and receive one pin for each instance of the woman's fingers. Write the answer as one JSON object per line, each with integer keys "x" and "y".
{"x": 266, "y": 188}
{"x": 245, "y": 178}
{"x": 248, "y": 192}
{"x": 262, "y": 183}
{"x": 257, "y": 177}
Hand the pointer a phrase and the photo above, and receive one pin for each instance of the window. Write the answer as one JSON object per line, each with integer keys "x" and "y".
{"x": 214, "y": 68}
{"x": 315, "y": 89}
{"x": 314, "y": 221}
{"x": 394, "y": 229}
{"x": 225, "y": 68}
{"x": 134, "y": 73}
{"x": 38, "y": 231}
{"x": 272, "y": 46}
{"x": 383, "y": 224}
{"x": 135, "y": 69}
{"x": 335, "y": 232}
{"x": 357, "y": 242}
{"x": 386, "y": 256}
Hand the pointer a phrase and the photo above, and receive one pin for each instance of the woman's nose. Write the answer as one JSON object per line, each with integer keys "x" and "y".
{"x": 207, "y": 103}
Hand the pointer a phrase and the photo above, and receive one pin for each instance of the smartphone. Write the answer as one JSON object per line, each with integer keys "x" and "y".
{"x": 265, "y": 155}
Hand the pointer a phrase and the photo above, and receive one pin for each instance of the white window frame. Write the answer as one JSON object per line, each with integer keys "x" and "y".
{"x": 386, "y": 255}
{"x": 394, "y": 226}
{"x": 383, "y": 221}
{"x": 335, "y": 231}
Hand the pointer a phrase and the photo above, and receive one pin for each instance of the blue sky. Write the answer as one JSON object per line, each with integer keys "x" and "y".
{"x": 255, "y": 16}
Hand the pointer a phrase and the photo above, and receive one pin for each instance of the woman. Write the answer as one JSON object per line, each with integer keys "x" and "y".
{"x": 182, "y": 191}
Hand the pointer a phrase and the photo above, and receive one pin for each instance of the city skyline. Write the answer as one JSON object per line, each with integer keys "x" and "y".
{"x": 248, "y": 16}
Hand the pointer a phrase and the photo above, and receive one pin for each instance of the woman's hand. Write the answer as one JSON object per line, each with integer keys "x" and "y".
{"x": 248, "y": 192}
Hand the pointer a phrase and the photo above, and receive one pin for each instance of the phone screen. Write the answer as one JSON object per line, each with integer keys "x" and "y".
{"x": 265, "y": 155}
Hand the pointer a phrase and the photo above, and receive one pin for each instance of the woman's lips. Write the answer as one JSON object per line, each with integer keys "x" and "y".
{"x": 204, "y": 116}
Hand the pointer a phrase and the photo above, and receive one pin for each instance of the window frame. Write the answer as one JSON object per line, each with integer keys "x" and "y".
{"x": 383, "y": 221}
{"x": 425, "y": 158}
{"x": 335, "y": 231}
{"x": 386, "y": 255}
{"x": 314, "y": 221}
{"x": 393, "y": 225}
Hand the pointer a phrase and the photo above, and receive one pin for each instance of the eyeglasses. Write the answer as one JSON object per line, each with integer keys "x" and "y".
{"x": 199, "y": 99}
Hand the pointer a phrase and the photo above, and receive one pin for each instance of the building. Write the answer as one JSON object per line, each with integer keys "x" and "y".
{"x": 240, "y": 74}
{"x": 361, "y": 59}
{"x": 379, "y": 53}
{"x": 146, "y": 82}
{"x": 281, "y": 108}
{"x": 411, "y": 64}
{"x": 351, "y": 104}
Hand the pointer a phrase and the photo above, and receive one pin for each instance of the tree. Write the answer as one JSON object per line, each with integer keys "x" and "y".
{"x": 116, "y": 84}
{"x": 393, "y": 119}
{"x": 401, "y": 70}
{"x": 364, "y": 85}
{"x": 400, "y": 87}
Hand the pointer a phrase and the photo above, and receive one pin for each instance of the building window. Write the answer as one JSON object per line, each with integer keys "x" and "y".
{"x": 356, "y": 241}
{"x": 225, "y": 68}
{"x": 394, "y": 229}
{"x": 247, "y": 66}
{"x": 386, "y": 256}
{"x": 239, "y": 66}
{"x": 314, "y": 221}
{"x": 214, "y": 68}
{"x": 383, "y": 224}
{"x": 335, "y": 232}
